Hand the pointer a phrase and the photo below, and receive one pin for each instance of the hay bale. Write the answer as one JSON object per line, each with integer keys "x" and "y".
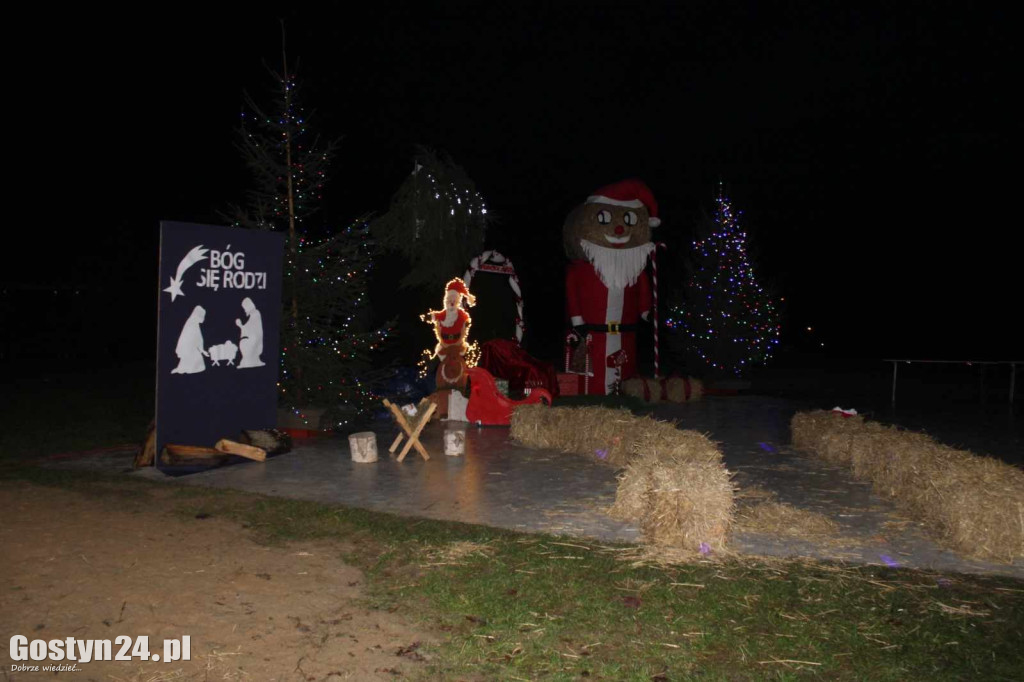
{"x": 675, "y": 389}
{"x": 602, "y": 433}
{"x": 872, "y": 457}
{"x": 825, "y": 433}
{"x": 674, "y": 485}
{"x": 634, "y": 388}
{"x": 678, "y": 498}
{"x": 973, "y": 504}
{"x": 977, "y": 503}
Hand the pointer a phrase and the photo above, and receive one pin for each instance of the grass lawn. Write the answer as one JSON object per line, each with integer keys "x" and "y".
{"x": 513, "y": 606}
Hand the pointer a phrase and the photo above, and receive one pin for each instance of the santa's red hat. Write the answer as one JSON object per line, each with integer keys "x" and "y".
{"x": 630, "y": 194}
{"x": 458, "y": 285}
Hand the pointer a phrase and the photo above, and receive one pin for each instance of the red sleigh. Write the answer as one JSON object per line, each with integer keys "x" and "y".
{"x": 488, "y": 407}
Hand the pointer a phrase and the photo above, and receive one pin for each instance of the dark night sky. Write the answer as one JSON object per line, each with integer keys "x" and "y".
{"x": 869, "y": 152}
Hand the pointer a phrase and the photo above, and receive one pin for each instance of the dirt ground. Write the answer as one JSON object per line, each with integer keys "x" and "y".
{"x": 78, "y": 567}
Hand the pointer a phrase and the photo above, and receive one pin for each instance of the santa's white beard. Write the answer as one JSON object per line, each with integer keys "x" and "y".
{"x": 451, "y": 313}
{"x": 617, "y": 268}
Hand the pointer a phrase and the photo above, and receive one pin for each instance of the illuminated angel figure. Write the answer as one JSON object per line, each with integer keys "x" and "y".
{"x": 451, "y": 327}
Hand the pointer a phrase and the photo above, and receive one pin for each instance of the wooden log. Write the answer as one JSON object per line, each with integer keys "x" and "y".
{"x": 363, "y": 446}
{"x": 242, "y": 450}
{"x": 147, "y": 452}
{"x": 454, "y": 442}
{"x": 192, "y": 456}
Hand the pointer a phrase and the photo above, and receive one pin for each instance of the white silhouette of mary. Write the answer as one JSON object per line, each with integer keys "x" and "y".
{"x": 190, "y": 350}
{"x": 251, "y": 343}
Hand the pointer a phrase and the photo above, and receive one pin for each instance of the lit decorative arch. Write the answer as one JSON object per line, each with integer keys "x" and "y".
{"x": 492, "y": 261}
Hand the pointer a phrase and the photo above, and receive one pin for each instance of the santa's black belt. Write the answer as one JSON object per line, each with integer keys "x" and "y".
{"x": 609, "y": 328}
{"x": 450, "y": 337}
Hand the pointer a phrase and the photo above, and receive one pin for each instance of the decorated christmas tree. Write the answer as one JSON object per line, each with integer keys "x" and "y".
{"x": 326, "y": 335}
{"x": 727, "y": 319}
{"x": 437, "y": 221}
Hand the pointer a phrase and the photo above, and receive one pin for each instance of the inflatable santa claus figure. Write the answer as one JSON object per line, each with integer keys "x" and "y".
{"x": 608, "y": 242}
{"x": 451, "y": 327}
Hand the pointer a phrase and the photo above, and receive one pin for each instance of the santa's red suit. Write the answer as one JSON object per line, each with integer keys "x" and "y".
{"x": 589, "y": 300}
{"x": 451, "y": 335}
{"x": 451, "y": 373}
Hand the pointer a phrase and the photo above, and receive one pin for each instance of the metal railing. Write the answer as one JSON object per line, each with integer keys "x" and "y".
{"x": 1012, "y": 363}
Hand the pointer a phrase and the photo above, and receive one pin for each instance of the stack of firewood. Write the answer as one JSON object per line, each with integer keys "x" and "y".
{"x": 254, "y": 444}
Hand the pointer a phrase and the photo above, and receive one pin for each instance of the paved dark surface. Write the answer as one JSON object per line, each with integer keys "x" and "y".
{"x": 753, "y": 434}
{"x": 499, "y": 483}
{"x": 495, "y": 483}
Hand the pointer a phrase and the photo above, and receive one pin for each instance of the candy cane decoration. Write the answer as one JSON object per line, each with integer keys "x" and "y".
{"x": 654, "y": 277}
{"x": 492, "y": 261}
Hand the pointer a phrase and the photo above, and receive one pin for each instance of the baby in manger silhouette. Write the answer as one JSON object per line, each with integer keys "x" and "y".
{"x": 190, "y": 347}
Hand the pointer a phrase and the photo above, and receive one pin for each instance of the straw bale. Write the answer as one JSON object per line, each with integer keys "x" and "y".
{"x": 676, "y": 499}
{"x": 600, "y": 432}
{"x": 635, "y": 389}
{"x": 674, "y": 485}
{"x": 675, "y": 389}
{"x": 974, "y": 504}
{"x": 825, "y": 433}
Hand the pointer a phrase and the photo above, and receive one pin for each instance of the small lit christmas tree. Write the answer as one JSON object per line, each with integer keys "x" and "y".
{"x": 437, "y": 220}
{"x": 326, "y": 339}
{"x": 727, "y": 320}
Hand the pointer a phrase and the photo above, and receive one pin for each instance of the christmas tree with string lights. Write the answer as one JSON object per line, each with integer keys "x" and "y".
{"x": 437, "y": 221}
{"x": 326, "y": 335}
{"x": 727, "y": 318}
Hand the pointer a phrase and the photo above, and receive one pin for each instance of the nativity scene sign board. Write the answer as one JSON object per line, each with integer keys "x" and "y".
{"x": 218, "y": 338}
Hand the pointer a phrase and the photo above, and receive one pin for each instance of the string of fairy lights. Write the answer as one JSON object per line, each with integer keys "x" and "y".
{"x": 326, "y": 346}
{"x": 325, "y": 331}
{"x": 731, "y": 322}
{"x": 337, "y": 281}
{"x": 436, "y": 220}
{"x": 452, "y": 197}
{"x": 471, "y": 349}
{"x": 285, "y": 154}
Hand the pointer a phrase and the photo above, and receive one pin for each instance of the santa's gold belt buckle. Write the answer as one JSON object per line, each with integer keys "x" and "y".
{"x": 613, "y": 327}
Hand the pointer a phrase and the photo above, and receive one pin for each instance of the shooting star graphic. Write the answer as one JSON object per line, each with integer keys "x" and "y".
{"x": 197, "y": 254}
